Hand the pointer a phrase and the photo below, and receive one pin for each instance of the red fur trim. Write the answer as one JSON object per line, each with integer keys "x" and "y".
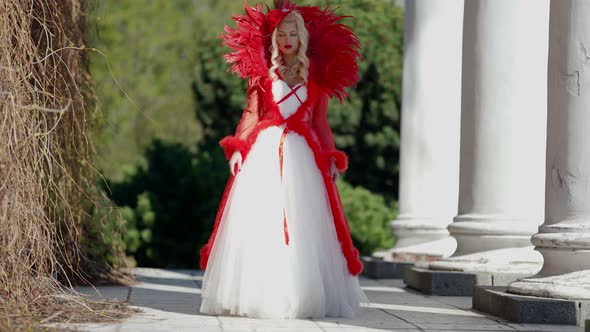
{"x": 355, "y": 266}
{"x": 204, "y": 254}
{"x": 231, "y": 144}
{"x": 340, "y": 159}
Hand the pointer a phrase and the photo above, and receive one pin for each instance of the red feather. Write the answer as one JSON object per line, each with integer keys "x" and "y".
{"x": 250, "y": 41}
{"x": 333, "y": 51}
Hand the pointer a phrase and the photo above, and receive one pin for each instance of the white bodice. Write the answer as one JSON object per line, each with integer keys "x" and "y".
{"x": 289, "y": 106}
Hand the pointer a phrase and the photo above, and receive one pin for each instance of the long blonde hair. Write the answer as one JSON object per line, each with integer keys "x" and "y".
{"x": 276, "y": 59}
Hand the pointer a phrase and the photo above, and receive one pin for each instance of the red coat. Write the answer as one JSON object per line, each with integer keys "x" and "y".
{"x": 310, "y": 121}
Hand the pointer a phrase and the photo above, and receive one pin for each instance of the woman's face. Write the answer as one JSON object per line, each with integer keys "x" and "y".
{"x": 287, "y": 37}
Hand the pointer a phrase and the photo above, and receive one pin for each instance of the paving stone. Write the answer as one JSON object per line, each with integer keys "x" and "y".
{"x": 368, "y": 317}
{"x": 392, "y": 282}
{"x": 454, "y": 283}
{"x": 365, "y": 329}
{"x": 199, "y": 329}
{"x": 377, "y": 268}
{"x": 383, "y": 285}
{"x": 462, "y": 327}
{"x": 447, "y": 283}
{"x": 461, "y": 330}
{"x": 365, "y": 281}
{"x": 460, "y": 302}
{"x": 468, "y": 319}
{"x": 529, "y": 309}
{"x": 189, "y": 281}
{"x": 150, "y": 315}
{"x": 156, "y": 320}
{"x": 171, "y": 299}
{"x": 178, "y": 302}
{"x": 119, "y": 293}
{"x": 233, "y": 323}
{"x": 546, "y": 328}
{"x": 129, "y": 327}
{"x": 383, "y": 289}
{"x": 405, "y": 299}
{"x": 289, "y": 329}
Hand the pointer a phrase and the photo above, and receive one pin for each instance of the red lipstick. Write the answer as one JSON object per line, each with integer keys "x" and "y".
{"x": 288, "y": 46}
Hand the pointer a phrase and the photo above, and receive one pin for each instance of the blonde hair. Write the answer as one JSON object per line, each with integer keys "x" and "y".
{"x": 276, "y": 59}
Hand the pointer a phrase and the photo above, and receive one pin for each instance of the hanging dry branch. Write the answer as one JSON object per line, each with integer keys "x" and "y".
{"x": 46, "y": 116}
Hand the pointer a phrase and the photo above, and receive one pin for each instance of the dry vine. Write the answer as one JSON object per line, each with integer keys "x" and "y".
{"x": 47, "y": 112}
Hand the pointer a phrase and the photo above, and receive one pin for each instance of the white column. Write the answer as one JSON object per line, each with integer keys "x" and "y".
{"x": 429, "y": 161}
{"x": 564, "y": 238}
{"x": 503, "y": 124}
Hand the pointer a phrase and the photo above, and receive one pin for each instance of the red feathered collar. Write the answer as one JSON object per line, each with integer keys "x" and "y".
{"x": 333, "y": 48}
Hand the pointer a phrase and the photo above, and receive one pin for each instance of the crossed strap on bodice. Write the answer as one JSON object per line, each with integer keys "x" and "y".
{"x": 281, "y": 153}
{"x": 292, "y": 92}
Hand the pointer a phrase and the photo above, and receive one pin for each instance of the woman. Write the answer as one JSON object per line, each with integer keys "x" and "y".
{"x": 281, "y": 246}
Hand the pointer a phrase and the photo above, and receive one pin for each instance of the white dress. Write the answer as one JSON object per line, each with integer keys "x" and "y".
{"x": 252, "y": 271}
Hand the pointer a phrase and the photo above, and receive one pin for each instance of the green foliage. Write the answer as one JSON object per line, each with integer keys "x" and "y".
{"x": 219, "y": 96}
{"x": 143, "y": 73}
{"x": 141, "y": 221}
{"x": 368, "y": 217}
{"x": 367, "y": 126}
{"x": 102, "y": 241}
{"x": 171, "y": 203}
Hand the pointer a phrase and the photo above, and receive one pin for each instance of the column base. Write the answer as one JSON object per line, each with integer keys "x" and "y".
{"x": 521, "y": 260}
{"x": 457, "y": 276}
{"x": 378, "y": 268}
{"x": 566, "y": 248}
{"x": 569, "y": 286}
{"x": 390, "y": 264}
{"x": 423, "y": 252}
{"x": 454, "y": 283}
{"x": 529, "y": 309}
{"x": 411, "y": 231}
{"x": 477, "y": 233}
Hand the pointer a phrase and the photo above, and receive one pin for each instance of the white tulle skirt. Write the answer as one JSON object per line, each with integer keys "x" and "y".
{"x": 251, "y": 270}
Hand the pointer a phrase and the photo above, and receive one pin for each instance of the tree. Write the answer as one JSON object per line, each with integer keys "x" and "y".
{"x": 143, "y": 73}
{"x": 171, "y": 204}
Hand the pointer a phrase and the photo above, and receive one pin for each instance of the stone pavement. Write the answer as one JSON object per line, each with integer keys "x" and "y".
{"x": 170, "y": 302}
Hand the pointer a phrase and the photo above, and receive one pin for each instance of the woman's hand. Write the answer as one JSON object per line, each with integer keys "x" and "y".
{"x": 333, "y": 170}
{"x": 235, "y": 163}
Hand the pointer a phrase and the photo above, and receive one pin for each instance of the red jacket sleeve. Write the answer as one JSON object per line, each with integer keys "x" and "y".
{"x": 322, "y": 129}
{"x": 250, "y": 117}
